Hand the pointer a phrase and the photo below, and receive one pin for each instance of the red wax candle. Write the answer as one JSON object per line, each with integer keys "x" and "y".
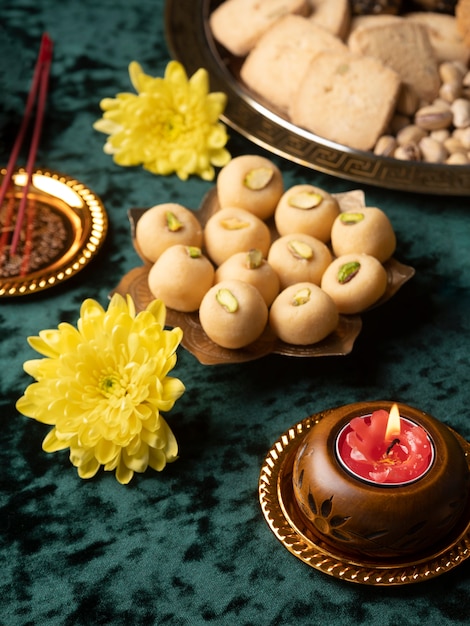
{"x": 385, "y": 449}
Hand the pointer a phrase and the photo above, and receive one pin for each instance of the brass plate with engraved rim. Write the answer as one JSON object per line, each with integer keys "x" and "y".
{"x": 285, "y": 521}
{"x": 190, "y": 41}
{"x": 195, "y": 340}
{"x": 69, "y": 225}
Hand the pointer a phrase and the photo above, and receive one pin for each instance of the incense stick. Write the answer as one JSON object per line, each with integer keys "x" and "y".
{"x": 40, "y": 82}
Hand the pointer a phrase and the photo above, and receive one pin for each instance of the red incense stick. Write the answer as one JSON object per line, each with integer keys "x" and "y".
{"x": 40, "y": 83}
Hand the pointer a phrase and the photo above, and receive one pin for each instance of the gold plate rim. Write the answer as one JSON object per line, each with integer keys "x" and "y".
{"x": 88, "y": 221}
{"x": 276, "y": 497}
{"x": 190, "y": 41}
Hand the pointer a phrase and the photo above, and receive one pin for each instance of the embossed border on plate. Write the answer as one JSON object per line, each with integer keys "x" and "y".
{"x": 284, "y": 519}
{"x": 86, "y": 219}
{"x": 190, "y": 41}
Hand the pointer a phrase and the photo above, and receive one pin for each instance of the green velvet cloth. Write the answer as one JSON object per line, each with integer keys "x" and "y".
{"x": 189, "y": 545}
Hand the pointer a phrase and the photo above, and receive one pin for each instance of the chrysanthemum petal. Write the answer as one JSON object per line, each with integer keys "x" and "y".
{"x": 173, "y": 389}
{"x": 123, "y": 473}
{"x": 48, "y": 343}
{"x": 34, "y": 367}
{"x": 157, "y": 459}
{"x": 118, "y": 303}
{"x": 199, "y": 82}
{"x": 166, "y": 439}
{"x": 207, "y": 174}
{"x": 108, "y": 148}
{"x": 106, "y": 451}
{"x": 220, "y": 157}
{"x": 107, "y": 126}
{"x": 52, "y": 444}
{"x": 89, "y": 436}
{"x": 34, "y": 404}
{"x": 176, "y": 74}
{"x": 89, "y": 469}
{"x": 138, "y": 461}
{"x": 158, "y": 309}
{"x": 135, "y": 73}
{"x": 26, "y": 406}
{"x": 215, "y": 105}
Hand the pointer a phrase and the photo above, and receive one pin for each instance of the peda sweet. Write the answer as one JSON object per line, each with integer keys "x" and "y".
{"x": 306, "y": 209}
{"x": 233, "y": 230}
{"x": 355, "y": 282}
{"x": 299, "y": 258}
{"x": 180, "y": 277}
{"x": 166, "y": 225}
{"x": 303, "y": 314}
{"x": 366, "y": 230}
{"x": 250, "y": 267}
{"x": 233, "y": 314}
{"x": 252, "y": 183}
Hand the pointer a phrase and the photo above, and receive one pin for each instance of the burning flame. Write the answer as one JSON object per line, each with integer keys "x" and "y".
{"x": 393, "y": 424}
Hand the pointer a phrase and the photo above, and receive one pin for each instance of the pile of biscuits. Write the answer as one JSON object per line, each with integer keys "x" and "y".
{"x": 291, "y": 258}
{"x": 398, "y": 85}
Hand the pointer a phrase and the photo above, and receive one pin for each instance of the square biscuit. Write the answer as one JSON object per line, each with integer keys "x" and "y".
{"x": 405, "y": 47}
{"x": 462, "y": 15}
{"x": 276, "y": 65}
{"x": 444, "y": 35}
{"x": 333, "y": 15}
{"x": 339, "y": 101}
{"x": 238, "y": 24}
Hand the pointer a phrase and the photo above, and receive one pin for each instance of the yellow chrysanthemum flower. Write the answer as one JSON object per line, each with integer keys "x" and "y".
{"x": 171, "y": 125}
{"x": 102, "y": 386}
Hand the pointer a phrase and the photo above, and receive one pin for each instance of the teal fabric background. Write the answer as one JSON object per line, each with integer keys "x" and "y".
{"x": 190, "y": 546}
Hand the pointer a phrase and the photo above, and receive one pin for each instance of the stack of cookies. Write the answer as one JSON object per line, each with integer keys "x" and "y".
{"x": 353, "y": 79}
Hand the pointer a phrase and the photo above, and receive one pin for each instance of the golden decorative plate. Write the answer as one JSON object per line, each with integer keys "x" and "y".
{"x": 65, "y": 225}
{"x": 285, "y": 520}
{"x": 190, "y": 41}
{"x": 195, "y": 340}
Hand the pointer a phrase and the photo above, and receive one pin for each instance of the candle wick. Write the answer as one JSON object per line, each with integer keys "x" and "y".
{"x": 394, "y": 442}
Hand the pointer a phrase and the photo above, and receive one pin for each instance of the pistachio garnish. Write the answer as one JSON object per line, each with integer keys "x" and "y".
{"x": 342, "y": 68}
{"x": 305, "y": 200}
{"x": 259, "y": 178}
{"x": 227, "y": 300}
{"x": 347, "y": 271}
{"x": 300, "y": 249}
{"x": 301, "y": 297}
{"x": 173, "y": 222}
{"x": 234, "y": 223}
{"x": 194, "y": 252}
{"x": 254, "y": 259}
{"x": 349, "y": 218}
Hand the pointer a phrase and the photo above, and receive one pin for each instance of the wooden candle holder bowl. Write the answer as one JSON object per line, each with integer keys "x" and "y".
{"x": 380, "y": 521}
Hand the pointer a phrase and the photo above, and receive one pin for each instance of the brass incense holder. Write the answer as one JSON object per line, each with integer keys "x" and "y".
{"x": 361, "y": 531}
